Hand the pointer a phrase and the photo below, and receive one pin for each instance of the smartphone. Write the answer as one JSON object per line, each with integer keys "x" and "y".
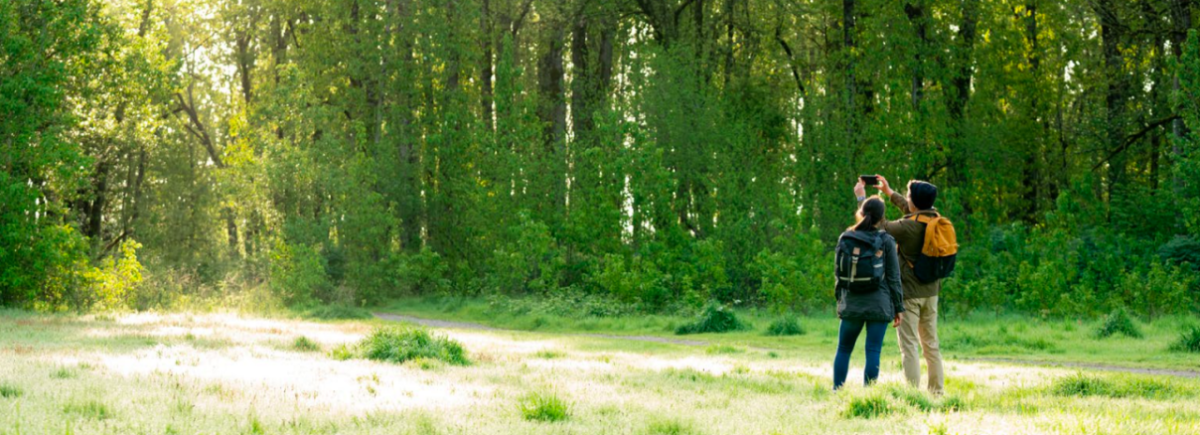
{"x": 870, "y": 180}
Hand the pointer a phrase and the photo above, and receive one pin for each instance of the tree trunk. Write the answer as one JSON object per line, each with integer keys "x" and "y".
{"x": 961, "y": 86}
{"x": 485, "y": 65}
{"x": 552, "y": 111}
{"x": 851, "y": 85}
{"x": 916, "y": 16}
{"x": 1111, "y": 34}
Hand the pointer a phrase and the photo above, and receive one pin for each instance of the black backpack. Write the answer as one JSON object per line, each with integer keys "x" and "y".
{"x": 859, "y": 263}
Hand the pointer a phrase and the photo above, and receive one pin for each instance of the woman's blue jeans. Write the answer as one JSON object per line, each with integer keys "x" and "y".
{"x": 847, "y": 338}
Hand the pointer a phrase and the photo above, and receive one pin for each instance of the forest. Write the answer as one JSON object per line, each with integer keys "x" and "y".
{"x": 624, "y": 156}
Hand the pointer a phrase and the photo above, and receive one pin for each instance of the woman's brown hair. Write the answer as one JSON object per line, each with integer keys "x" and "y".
{"x": 870, "y": 214}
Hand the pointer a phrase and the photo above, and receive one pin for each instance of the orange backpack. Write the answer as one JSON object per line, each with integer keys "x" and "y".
{"x": 939, "y": 251}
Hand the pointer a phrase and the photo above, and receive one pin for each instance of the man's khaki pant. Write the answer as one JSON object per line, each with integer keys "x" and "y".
{"x": 920, "y": 322}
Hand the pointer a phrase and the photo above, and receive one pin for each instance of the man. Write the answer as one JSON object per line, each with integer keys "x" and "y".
{"x": 920, "y": 299}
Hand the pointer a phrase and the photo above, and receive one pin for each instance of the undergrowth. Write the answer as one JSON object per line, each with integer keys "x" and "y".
{"x": 1118, "y": 322}
{"x": 785, "y": 326}
{"x": 715, "y": 318}
{"x": 1188, "y": 341}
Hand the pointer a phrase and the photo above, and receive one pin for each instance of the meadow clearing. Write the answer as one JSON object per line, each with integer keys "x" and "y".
{"x": 234, "y": 373}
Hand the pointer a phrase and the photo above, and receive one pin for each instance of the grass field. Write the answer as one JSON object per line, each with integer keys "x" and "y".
{"x": 237, "y": 374}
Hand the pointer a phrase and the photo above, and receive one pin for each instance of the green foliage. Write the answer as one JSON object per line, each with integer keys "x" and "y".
{"x": 1183, "y": 251}
{"x": 342, "y": 353}
{"x": 91, "y": 409}
{"x": 867, "y": 406}
{"x": 566, "y": 302}
{"x": 395, "y": 344}
{"x": 422, "y": 273}
{"x": 785, "y": 326}
{"x": 337, "y": 312}
{"x": 9, "y": 391}
{"x": 544, "y": 407}
{"x": 795, "y": 278}
{"x": 1001, "y": 342}
{"x": 1188, "y": 341}
{"x": 532, "y": 263}
{"x": 297, "y": 274}
{"x": 1081, "y": 385}
{"x": 112, "y": 282}
{"x": 305, "y": 344}
{"x": 714, "y": 318}
{"x": 1118, "y": 322}
{"x": 668, "y": 427}
{"x": 660, "y": 171}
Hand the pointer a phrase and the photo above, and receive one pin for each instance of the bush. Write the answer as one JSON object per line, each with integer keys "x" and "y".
{"x": 871, "y": 406}
{"x": 304, "y": 344}
{"x": 1116, "y": 322}
{"x": 785, "y": 326}
{"x": 547, "y": 407}
{"x": 422, "y": 273}
{"x": 530, "y": 263}
{"x": 398, "y": 345}
{"x": 1188, "y": 341}
{"x": 715, "y": 318}
{"x": 113, "y": 279}
{"x": 297, "y": 274}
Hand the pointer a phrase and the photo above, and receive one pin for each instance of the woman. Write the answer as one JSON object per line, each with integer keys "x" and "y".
{"x": 870, "y": 300}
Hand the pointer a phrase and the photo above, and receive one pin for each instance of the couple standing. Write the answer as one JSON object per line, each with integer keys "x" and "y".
{"x": 901, "y": 298}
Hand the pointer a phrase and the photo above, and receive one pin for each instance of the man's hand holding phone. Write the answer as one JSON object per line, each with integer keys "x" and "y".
{"x": 883, "y": 185}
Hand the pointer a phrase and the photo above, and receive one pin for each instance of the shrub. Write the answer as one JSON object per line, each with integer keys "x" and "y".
{"x": 1116, "y": 322}
{"x": 303, "y": 344}
{"x": 9, "y": 391}
{"x": 1188, "y": 341}
{"x": 297, "y": 273}
{"x": 530, "y": 262}
{"x": 715, "y": 318}
{"x": 402, "y": 344}
{"x": 342, "y": 352}
{"x": 871, "y": 406}
{"x": 546, "y": 407}
{"x": 785, "y": 326}
{"x": 113, "y": 279}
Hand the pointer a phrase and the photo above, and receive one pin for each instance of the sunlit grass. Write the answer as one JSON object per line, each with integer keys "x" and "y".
{"x": 148, "y": 374}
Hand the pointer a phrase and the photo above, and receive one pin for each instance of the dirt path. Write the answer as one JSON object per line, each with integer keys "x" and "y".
{"x": 1090, "y": 366}
{"x": 435, "y": 323}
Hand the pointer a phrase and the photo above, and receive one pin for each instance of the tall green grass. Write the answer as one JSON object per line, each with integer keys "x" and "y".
{"x": 396, "y": 344}
{"x": 543, "y": 406}
{"x": 1188, "y": 341}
